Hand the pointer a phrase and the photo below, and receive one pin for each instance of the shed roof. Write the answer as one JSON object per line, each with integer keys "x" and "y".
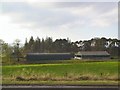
{"x": 48, "y": 53}
{"x": 93, "y": 53}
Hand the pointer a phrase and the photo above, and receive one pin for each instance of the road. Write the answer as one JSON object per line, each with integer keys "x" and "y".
{"x": 60, "y": 88}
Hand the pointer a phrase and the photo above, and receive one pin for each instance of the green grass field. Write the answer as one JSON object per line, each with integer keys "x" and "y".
{"x": 74, "y": 72}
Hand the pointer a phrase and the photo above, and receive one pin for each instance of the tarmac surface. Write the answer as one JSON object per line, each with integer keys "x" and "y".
{"x": 60, "y": 88}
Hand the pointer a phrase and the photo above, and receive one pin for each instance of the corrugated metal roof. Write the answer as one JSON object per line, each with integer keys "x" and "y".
{"x": 47, "y": 53}
{"x": 93, "y": 53}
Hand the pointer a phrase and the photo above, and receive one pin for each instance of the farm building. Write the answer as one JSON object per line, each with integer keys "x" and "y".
{"x": 48, "y": 56}
{"x": 92, "y": 55}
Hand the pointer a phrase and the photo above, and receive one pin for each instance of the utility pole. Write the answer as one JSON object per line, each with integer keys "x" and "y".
{"x": 1, "y": 52}
{"x": 18, "y": 52}
{"x": 1, "y": 46}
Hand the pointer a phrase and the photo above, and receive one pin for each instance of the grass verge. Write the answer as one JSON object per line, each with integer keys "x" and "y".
{"x": 79, "y": 73}
{"x": 60, "y": 83}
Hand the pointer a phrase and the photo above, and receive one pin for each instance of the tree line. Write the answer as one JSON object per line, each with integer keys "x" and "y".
{"x": 48, "y": 45}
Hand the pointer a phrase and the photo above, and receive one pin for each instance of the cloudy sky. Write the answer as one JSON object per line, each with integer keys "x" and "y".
{"x": 76, "y": 20}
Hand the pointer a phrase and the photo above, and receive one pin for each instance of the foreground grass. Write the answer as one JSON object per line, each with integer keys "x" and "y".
{"x": 77, "y": 73}
{"x": 60, "y": 82}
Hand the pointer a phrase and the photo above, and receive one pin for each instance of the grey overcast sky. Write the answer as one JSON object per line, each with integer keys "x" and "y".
{"x": 75, "y": 20}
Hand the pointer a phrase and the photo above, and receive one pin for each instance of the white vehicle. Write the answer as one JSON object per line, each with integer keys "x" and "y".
{"x": 77, "y": 57}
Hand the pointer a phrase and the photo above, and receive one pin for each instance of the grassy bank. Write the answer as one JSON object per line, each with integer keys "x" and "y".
{"x": 61, "y": 73}
{"x": 88, "y": 82}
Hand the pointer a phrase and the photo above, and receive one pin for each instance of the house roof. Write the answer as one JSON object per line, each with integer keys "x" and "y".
{"x": 93, "y": 53}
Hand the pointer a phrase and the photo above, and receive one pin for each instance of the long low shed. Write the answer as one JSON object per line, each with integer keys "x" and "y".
{"x": 92, "y": 55}
{"x": 48, "y": 56}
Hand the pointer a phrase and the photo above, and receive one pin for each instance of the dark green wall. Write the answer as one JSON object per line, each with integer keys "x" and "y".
{"x": 37, "y": 57}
